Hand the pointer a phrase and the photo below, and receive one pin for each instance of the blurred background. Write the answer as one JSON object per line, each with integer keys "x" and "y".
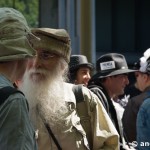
{"x": 95, "y": 26}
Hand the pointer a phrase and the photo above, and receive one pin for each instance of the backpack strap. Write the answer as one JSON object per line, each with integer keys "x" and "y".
{"x": 51, "y": 134}
{"x": 77, "y": 90}
{"x": 5, "y": 92}
{"x": 97, "y": 90}
{"x": 82, "y": 111}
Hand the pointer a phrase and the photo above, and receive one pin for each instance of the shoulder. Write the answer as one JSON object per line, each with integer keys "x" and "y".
{"x": 133, "y": 104}
{"x": 15, "y": 104}
{"x": 146, "y": 104}
{"x": 136, "y": 101}
{"x": 9, "y": 93}
{"x": 90, "y": 97}
{"x": 94, "y": 88}
{"x": 144, "y": 111}
{"x": 16, "y": 100}
{"x": 85, "y": 90}
{"x": 70, "y": 97}
{"x": 87, "y": 94}
{"x": 97, "y": 89}
{"x": 17, "y": 95}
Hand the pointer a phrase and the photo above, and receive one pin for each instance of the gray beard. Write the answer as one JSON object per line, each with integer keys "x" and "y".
{"x": 46, "y": 98}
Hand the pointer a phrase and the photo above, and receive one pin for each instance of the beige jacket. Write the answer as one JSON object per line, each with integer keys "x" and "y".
{"x": 100, "y": 131}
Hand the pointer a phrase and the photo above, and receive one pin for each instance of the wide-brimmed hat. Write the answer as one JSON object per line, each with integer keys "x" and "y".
{"x": 14, "y": 36}
{"x": 54, "y": 40}
{"x": 77, "y": 61}
{"x": 111, "y": 64}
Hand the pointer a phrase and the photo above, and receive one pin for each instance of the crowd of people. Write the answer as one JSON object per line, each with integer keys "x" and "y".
{"x": 50, "y": 99}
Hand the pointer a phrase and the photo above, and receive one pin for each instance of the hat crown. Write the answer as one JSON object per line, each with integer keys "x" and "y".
{"x": 14, "y": 35}
{"x": 77, "y": 61}
{"x": 54, "y": 40}
{"x": 112, "y": 61}
{"x": 111, "y": 64}
{"x": 12, "y": 21}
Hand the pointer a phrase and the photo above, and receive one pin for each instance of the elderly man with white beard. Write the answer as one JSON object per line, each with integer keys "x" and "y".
{"x": 52, "y": 102}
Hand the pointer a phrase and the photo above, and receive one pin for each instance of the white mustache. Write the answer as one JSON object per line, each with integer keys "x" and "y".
{"x": 40, "y": 71}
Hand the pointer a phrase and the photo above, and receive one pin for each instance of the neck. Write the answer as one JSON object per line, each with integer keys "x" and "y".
{"x": 8, "y": 69}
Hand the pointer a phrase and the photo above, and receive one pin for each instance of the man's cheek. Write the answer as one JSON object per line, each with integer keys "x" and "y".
{"x": 30, "y": 64}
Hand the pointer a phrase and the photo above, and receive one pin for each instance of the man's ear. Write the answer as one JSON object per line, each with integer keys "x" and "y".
{"x": 17, "y": 83}
{"x": 146, "y": 77}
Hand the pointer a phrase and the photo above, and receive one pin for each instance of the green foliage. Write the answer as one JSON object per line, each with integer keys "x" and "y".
{"x": 29, "y": 8}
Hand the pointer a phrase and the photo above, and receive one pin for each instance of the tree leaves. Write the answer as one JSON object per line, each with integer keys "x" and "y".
{"x": 29, "y": 8}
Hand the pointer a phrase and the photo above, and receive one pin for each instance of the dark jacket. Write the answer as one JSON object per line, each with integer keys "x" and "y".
{"x": 130, "y": 114}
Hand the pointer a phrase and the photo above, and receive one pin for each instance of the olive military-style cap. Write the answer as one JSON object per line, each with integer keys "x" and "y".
{"x": 54, "y": 40}
{"x": 14, "y": 36}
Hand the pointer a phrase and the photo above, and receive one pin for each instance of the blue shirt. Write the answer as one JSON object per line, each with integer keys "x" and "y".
{"x": 143, "y": 126}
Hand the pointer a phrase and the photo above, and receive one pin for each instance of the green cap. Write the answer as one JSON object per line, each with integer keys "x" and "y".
{"x": 15, "y": 36}
{"x": 54, "y": 40}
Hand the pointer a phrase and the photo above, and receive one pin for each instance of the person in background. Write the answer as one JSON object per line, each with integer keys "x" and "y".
{"x": 16, "y": 130}
{"x": 80, "y": 69}
{"x": 53, "y": 107}
{"x": 131, "y": 89}
{"x": 130, "y": 120}
{"x": 109, "y": 82}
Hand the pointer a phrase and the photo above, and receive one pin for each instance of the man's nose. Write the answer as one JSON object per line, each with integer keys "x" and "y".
{"x": 127, "y": 80}
{"x": 37, "y": 62}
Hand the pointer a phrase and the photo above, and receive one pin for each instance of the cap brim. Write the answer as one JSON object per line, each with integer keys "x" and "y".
{"x": 113, "y": 73}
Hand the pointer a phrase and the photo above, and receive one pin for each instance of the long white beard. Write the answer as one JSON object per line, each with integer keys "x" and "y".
{"x": 47, "y": 96}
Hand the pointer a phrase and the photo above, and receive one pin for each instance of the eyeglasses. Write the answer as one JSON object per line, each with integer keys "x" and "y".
{"x": 45, "y": 55}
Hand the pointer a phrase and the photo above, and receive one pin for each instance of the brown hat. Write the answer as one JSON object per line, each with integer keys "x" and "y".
{"x": 54, "y": 40}
{"x": 14, "y": 33}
